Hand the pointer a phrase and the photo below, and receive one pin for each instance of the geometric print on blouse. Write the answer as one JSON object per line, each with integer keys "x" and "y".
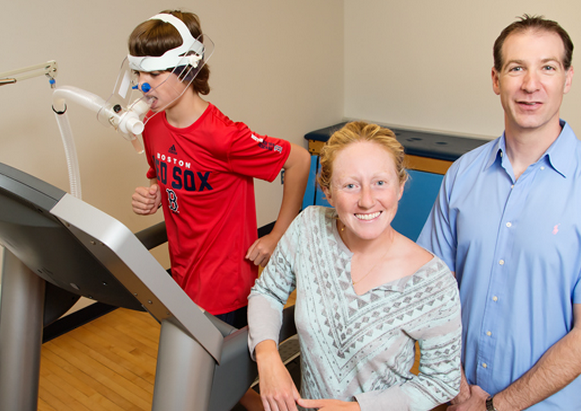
{"x": 357, "y": 343}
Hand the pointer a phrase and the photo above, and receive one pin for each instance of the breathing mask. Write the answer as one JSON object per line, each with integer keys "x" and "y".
{"x": 171, "y": 73}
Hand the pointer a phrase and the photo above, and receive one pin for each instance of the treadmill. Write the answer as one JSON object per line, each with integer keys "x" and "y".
{"x": 58, "y": 248}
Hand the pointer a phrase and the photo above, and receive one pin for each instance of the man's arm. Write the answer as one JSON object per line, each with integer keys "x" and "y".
{"x": 296, "y": 173}
{"x": 558, "y": 367}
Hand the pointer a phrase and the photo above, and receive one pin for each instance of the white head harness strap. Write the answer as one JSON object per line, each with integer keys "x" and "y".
{"x": 190, "y": 52}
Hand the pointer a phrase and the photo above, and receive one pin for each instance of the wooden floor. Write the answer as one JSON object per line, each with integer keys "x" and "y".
{"x": 105, "y": 365}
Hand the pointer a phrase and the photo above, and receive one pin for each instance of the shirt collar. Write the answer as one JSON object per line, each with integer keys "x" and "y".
{"x": 559, "y": 155}
{"x": 497, "y": 152}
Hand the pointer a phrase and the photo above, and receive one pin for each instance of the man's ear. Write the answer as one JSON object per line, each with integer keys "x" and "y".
{"x": 495, "y": 81}
{"x": 568, "y": 80}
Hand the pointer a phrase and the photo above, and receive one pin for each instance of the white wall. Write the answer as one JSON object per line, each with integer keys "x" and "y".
{"x": 284, "y": 68}
{"x": 426, "y": 64}
{"x": 277, "y": 66}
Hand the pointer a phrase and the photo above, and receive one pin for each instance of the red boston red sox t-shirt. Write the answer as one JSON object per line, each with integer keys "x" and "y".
{"x": 205, "y": 173}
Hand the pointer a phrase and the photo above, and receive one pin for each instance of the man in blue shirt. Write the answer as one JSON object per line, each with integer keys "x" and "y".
{"x": 508, "y": 223}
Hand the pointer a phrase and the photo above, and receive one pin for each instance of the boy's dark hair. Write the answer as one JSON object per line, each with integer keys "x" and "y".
{"x": 536, "y": 23}
{"x": 155, "y": 37}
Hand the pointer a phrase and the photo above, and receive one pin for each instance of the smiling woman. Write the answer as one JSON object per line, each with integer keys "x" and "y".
{"x": 365, "y": 293}
{"x": 365, "y": 187}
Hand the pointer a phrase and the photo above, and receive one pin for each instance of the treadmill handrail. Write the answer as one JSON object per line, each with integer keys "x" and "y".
{"x": 153, "y": 236}
{"x": 125, "y": 256}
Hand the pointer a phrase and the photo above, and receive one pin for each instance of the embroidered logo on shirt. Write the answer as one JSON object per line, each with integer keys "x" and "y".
{"x": 172, "y": 199}
{"x": 257, "y": 139}
{"x": 172, "y": 150}
{"x": 556, "y": 229}
{"x": 266, "y": 145}
{"x": 178, "y": 174}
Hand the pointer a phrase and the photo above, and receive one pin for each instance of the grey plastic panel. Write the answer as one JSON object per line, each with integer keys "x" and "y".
{"x": 121, "y": 253}
{"x": 41, "y": 242}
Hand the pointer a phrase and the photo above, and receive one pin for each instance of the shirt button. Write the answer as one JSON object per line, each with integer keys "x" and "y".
{"x": 484, "y": 365}
{"x": 512, "y": 186}
{"x": 509, "y": 224}
{"x": 488, "y": 333}
{"x": 542, "y": 168}
{"x": 501, "y": 262}
{"x": 495, "y": 298}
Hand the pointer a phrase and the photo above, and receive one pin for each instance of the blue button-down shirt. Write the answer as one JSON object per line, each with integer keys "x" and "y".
{"x": 515, "y": 246}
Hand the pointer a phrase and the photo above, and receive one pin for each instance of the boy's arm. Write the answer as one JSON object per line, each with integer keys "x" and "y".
{"x": 146, "y": 200}
{"x": 296, "y": 173}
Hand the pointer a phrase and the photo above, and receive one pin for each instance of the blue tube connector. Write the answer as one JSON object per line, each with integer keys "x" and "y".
{"x": 145, "y": 87}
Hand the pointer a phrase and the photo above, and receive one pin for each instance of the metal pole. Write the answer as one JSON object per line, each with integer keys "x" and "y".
{"x": 21, "y": 322}
{"x": 183, "y": 379}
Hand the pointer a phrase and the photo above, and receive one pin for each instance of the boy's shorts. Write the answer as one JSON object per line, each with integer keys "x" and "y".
{"x": 237, "y": 318}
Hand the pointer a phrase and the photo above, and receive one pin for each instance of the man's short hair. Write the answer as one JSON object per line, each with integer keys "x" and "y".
{"x": 536, "y": 23}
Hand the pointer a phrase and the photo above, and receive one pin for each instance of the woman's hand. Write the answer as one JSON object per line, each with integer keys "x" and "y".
{"x": 277, "y": 389}
{"x": 329, "y": 405}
